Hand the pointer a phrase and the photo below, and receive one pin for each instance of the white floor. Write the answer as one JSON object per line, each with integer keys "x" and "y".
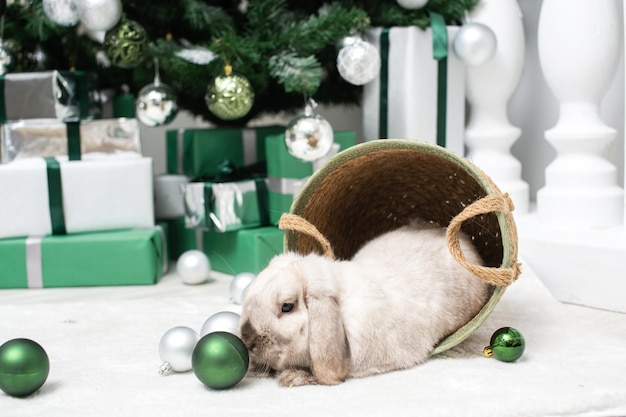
{"x": 102, "y": 343}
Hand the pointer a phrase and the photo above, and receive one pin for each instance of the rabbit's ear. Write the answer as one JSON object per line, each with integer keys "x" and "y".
{"x": 328, "y": 346}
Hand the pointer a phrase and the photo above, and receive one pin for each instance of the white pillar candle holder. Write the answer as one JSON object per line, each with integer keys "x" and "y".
{"x": 579, "y": 43}
{"x": 489, "y": 134}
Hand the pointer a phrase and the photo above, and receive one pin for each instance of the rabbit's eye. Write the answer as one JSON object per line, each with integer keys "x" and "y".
{"x": 287, "y": 307}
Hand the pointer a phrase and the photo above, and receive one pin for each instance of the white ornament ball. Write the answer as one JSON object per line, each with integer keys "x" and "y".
{"x": 238, "y": 286}
{"x": 99, "y": 15}
{"x": 156, "y": 105}
{"x": 193, "y": 266}
{"x": 412, "y": 4}
{"x": 474, "y": 44}
{"x": 358, "y": 62}
{"x": 61, "y": 12}
{"x": 176, "y": 347}
{"x": 224, "y": 321}
{"x": 309, "y": 137}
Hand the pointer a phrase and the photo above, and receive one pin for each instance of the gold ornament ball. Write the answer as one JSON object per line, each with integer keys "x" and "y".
{"x": 230, "y": 97}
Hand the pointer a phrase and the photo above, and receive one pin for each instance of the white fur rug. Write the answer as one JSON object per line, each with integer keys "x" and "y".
{"x": 102, "y": 344}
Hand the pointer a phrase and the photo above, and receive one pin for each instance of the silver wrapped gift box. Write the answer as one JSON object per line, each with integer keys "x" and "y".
{"x": 227, "y": 206}
{"x": 49, "y": 137}
{"x": 49, "y": 94}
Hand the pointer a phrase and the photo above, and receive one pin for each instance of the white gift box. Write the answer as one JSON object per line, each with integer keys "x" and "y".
{"x": 168, "y": 196}
{"x": 412, "y": 89}
{"x": 97, "y": 194}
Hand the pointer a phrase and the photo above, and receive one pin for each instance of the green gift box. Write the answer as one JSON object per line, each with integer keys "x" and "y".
{"x": 179, "y": 238}
{"x": 48, "y": 94}
{"x": 287, "y": 174}
{"x": 202, "y": 152}
{"x": 248, "y": 250}
{"x": 121, "y": 257}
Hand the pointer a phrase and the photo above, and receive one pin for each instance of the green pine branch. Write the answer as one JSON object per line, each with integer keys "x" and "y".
{"x": 286, "y": 48}
{"x": 297, "y": 74}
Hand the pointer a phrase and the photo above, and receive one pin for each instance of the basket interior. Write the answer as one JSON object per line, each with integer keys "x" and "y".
{"x": 382, "y": 190}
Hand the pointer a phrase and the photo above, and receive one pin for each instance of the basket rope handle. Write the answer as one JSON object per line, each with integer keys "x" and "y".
{"x": 296, "y": 223}
{"x": 495, "y": 276}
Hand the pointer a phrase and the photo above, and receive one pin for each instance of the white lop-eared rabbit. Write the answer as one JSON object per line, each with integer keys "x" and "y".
{"x": 314, "y": 320}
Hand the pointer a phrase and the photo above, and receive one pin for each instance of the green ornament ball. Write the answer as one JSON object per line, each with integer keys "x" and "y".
{"x": 507, "y": 344}
{"x": 220, "y": 360}
{"x": 24, "y": 367}
{"x": 229, "y": 96}
{"x": 126, "y": 44}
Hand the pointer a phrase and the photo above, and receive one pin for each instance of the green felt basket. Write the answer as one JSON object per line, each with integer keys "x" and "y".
{"x": 378, "y": 186}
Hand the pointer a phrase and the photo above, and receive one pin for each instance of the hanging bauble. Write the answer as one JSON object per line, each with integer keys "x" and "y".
{"x": 194, "y": 267}
{"x": 309, "y": 136}
{"x": 229, "y": 96}
{"x": 156, "y": 103}
{"x": 223, "y": 321}
{"x": 99, "y": 15}
{"x": 474, "y": 44}
{"x": 175, "y": 349}
{"x": 507, "y": 344}
{"x": 61, "y": 12}
{"x": 38, "y": 57}
{"x": 238, "y": 286}
{"x": 6, "y": 58}
{"x": 24, "y": 367}
{"x": 347, "y": 41}
{"x": 358, "y": 62}
{"x": 412, "y": 4}
{"x": 220, "y": 360}
{"x": 126, "y": 44}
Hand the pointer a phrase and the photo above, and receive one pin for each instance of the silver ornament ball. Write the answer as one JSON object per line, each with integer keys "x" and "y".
{"x": 61, "y": 12}
{"x": 99, "y": 15}
{"x": 309, "y": 136}
{"x": 412, "y": 4}
{"x": 156, "y": 105}
{"x": 474, "y": 44}
{"x": 358, "y": 62}
{"x": 224, "y": 321}
{"x": 176, "y": 347}
{"x": 238, "y": 286}
{"x": 193, "y": 266}
{"x": 6, "y": 59}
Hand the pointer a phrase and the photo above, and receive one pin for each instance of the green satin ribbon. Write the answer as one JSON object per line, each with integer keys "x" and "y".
{"x": 3, "y": 108}
{"x": 383, "y": 109}
{"x": 440, "y": 53}
{"x": 262, "y": 199}
{"x": 73, "y": 139}
{"x": 55, "y": 196}
{"x": 82, "y": 93}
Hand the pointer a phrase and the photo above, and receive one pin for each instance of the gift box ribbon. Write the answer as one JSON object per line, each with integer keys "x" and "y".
{"x": 55, "y": 186}
{"x": 55, "y": 196}
{"x": 440, "y": 54}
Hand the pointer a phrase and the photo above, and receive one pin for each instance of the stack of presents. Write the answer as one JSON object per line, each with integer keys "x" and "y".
{"x": 81, "y": 205}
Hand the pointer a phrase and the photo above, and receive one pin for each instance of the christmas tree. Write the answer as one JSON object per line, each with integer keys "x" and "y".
{"x": 286, "y": 49}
